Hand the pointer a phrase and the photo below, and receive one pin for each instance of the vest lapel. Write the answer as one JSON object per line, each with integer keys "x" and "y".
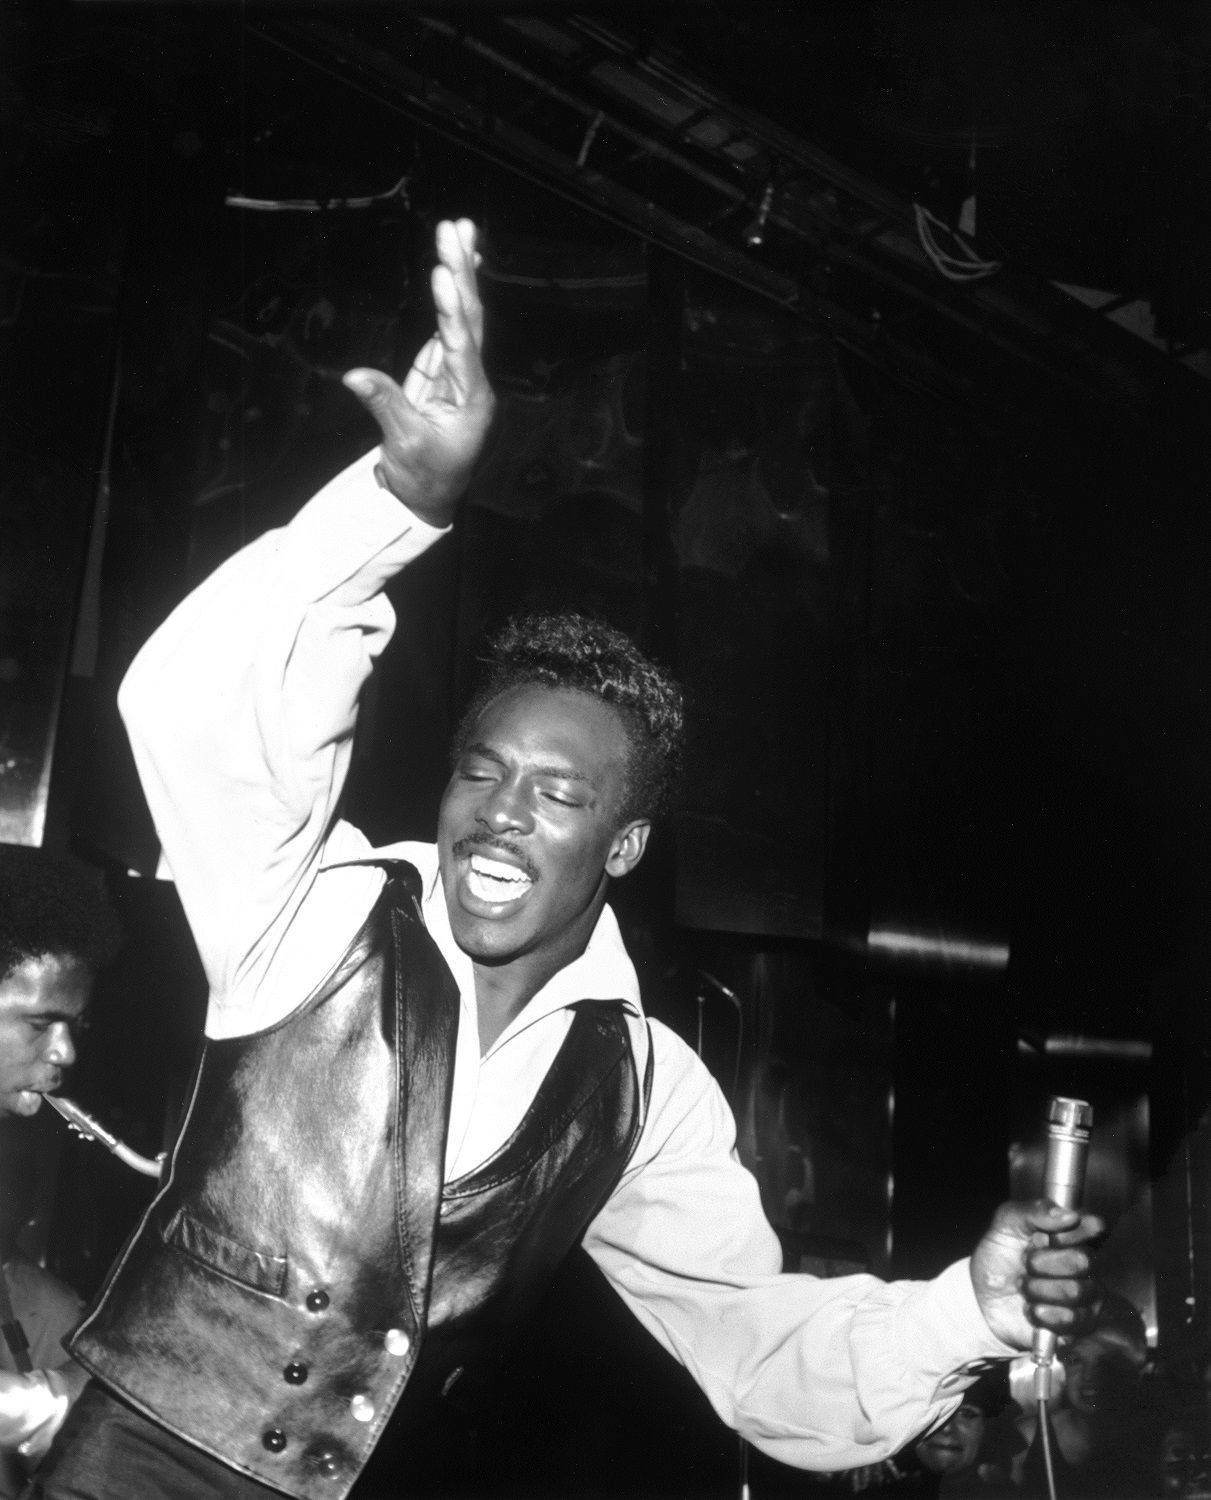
{"x": 426, "y": 1007}
{"x": 595, "y": 1047}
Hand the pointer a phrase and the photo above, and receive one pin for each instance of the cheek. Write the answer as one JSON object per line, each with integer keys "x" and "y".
{"x": 451, "y": 813}
{"x": 17, "y": 1047}
{"x": 581, "y": 861}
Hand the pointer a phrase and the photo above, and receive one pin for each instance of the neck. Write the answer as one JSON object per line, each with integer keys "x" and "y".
{"x": 498, "y": 1003}
{"x": 502, "y": 991}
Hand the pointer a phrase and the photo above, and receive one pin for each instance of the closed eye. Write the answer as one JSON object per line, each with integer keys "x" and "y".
{"x": 478, "y": 770}
{"x": 40, "y": 1025}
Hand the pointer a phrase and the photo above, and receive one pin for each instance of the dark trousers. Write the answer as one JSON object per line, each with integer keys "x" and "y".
{"x": 107, "y": 1451}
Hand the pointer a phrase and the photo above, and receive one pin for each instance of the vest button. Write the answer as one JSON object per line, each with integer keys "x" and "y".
{"x": 361, "y": 1408}
{"x": 274, "y": 1439}
{"x": 317, "y": 1301}
{"x": 295, "y": 1372}
{"x": 327, "y": 1462}
{"x": 397, "y": 1342}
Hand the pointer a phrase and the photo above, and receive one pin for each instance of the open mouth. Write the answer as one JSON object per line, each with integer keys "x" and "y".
{"x": 494, "y": 882}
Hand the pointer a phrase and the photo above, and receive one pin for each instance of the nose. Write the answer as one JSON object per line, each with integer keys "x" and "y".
{"x": 508, "y": 809}
{"x": 60, "y": 1046}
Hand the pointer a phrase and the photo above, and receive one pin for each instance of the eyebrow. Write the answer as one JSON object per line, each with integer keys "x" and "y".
{"x": 51, "y": 1016}
{"x": 556, "y": 773}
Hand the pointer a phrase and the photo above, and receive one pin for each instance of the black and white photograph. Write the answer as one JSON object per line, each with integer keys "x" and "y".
{"x": 605, "y": 749}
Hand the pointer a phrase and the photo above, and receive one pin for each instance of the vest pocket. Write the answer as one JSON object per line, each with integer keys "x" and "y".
{"x": 251, "y": 1268}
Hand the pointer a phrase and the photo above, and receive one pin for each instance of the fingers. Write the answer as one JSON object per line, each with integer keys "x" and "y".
{"x": 1043, "y": 1222}
{"x": 1071, "y": 1290}
{"x": 453, "y": 326}
{"x": 460, "y": 315}
{"x": 1050, "y": 1258}
{"x": 1060, "y": 1318}
{"x": 1058, "y": 1289}
{"x": 1060, "y": 1306}
{"x": 425, "y": 369}
{"x": 460, "y": 322}
{"x": 1058, "y": 1267}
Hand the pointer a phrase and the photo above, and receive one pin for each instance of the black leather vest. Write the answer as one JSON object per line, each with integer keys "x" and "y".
{"x": 305, "y": 1271}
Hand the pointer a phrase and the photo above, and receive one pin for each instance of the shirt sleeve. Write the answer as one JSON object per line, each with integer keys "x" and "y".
{"x": 47, "y": 1309}
{"x": 241, "y": 711}
{"x": 821, "y": 1374}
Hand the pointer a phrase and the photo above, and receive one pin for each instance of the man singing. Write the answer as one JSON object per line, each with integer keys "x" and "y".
{"x": 427, "y": 1074}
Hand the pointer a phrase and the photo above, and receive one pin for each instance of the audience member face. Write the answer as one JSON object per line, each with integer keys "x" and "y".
{"x": 956, "y": 1444}
{"x": 1097, "y": 1377}
{"x": 42, "y": 1001}
{"x": 1182, "y": 1457}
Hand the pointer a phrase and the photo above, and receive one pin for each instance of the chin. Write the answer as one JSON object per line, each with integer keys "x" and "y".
{"x": 486, "y": 943}
{"x": 20, "y": 1102}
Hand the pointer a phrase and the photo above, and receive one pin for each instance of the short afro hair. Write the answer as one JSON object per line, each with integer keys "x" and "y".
{"x": 584, "y": 655}
{"x": 51, "y": 903}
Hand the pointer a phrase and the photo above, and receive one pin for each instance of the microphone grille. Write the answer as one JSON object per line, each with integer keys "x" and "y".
{"x": 1072, "y": 1116}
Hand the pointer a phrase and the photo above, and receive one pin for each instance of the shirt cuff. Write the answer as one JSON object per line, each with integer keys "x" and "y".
{"x": 353, "y": 529}
{"x": 943, "y": 1317}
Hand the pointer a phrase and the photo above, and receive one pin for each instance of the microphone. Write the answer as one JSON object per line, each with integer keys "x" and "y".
{"x": 1069, "y": 1122}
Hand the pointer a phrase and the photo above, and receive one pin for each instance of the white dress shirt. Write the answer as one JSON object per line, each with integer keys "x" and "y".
{"x": 241, "y": 711}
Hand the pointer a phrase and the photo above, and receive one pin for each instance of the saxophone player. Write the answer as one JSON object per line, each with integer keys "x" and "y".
{"x": 57, "y": 929}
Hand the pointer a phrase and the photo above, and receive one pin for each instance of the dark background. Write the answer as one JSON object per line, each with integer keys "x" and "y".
{"x": 929, "y": 550}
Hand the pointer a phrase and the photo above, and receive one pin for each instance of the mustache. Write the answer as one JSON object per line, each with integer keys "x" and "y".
{"x": 480, "y": 843}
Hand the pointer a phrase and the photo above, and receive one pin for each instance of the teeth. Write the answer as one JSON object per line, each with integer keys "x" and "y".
{"x": 493, "y": 880}
{"x": 496, "y": 869}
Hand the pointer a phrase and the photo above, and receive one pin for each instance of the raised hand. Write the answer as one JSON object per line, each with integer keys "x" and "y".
{"x": 1032, "y": 1269}
{"x": 434, "y": 424}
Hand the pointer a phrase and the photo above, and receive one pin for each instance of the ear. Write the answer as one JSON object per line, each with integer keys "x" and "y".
{"x": 627, "y": 849}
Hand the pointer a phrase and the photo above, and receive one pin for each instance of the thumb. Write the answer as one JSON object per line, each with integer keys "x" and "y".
{"x": 376, "y": 391}
{"x": 1028, "y": 1221}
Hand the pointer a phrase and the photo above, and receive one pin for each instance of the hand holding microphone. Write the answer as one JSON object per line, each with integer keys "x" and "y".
{"x": 1032, "y": 1271}
{"x": 1068, "y": 1125}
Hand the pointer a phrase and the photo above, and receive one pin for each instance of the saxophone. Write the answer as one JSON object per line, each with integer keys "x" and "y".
{"x": 89, "y": 1129}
